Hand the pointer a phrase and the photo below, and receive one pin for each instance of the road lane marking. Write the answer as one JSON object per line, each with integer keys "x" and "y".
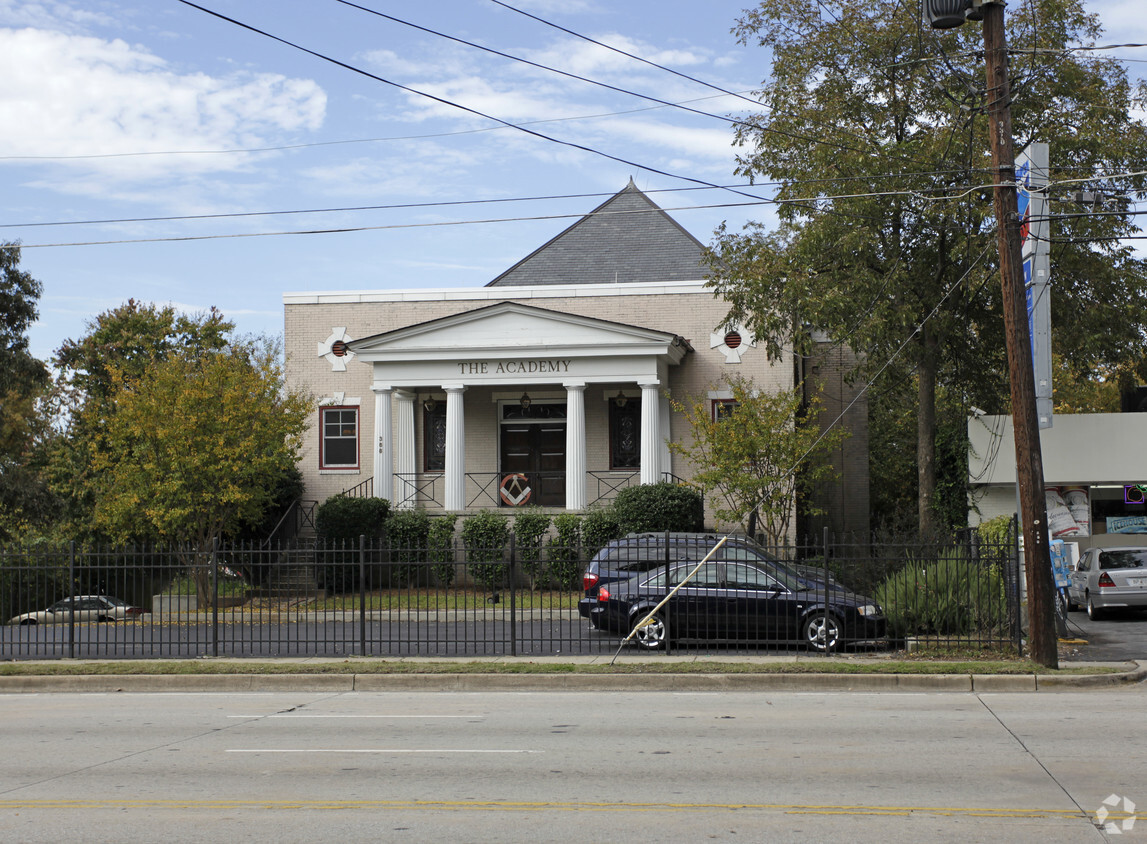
{"x": 302, "y": 715}
{"x": 367, "y": 750}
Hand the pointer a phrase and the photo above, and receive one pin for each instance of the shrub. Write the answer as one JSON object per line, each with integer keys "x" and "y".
{"x": 997, "y": 531}
{"x": 340, "y": 521}
{"x": 530, "y": 526}
{"x": 950, "y": 596}
{"x": 598, "y": 527}
{"x": 440, "y": 542}
{"x": 656, "y": 507}
{"x": 564, "y": 551}
{"x": 407, "y": 535}
{"x": 485, "y": 535}
{"x": 340, "y": 518}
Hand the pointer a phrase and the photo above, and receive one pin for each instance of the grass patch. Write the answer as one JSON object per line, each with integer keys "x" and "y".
{"x": 454, "y": 599}
{"x": 360, "y": 665}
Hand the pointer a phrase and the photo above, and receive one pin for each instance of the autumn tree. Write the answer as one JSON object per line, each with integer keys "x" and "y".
{"x": 873, "y": 132}
{"x": 753, "y": 458}
{"x": 197, "y": 447}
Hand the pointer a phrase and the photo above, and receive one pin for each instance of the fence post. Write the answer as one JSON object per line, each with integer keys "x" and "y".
{"x": 513, "y": 597}
{"x": 665, "y": 618}
{"x": 827, "y": 614}
{"x": 362, "y": 594}
{"x": 72, "y": 602}
{"x": 214, "y": 596}
{"x": 1017, "y": 625}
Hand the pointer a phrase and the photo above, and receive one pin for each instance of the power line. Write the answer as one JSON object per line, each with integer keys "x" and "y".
{"x": 618, "y": 50}
{"x": 287, "y": 147}
{"x": 392, "y": 207}
{"x": 452, "y": 104}
{"x": 637, "y": 58}
{"x": 463, "y": 202}
{"x": 808, "y": 202}
{"x": 730, "y": 120}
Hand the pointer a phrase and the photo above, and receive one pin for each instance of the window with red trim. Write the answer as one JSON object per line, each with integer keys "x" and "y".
{"x": 338, "y": 438}
{"x": 723, "y": 409}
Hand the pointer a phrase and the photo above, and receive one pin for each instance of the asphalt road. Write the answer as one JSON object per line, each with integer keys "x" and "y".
{"x": 1116, "y": 638}
{"x": 467, "y": 638}
{"x": 559, "y": 766}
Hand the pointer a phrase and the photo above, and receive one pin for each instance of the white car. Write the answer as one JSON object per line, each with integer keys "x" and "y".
{"x": 88, "y": 608}
{"x": 1109, "y": 578}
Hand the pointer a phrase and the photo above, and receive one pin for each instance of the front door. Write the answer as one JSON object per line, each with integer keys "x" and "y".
{"x": 533, "y": 462}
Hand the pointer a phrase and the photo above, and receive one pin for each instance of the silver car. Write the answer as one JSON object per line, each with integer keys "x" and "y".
{"x": 83, "y": 608}
{"x": 1109, "y": 578}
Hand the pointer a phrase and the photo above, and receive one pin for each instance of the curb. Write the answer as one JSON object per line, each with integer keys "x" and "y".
{"x": 713, "y": 682}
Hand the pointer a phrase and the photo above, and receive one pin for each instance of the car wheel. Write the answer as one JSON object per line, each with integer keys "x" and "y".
{"x": 653, "y": 635}
{"x": 1094, "y": 612}
{"x": 28, "y": 622}
{"x": 821, "y": 631}
{"x": 1072, "y": 606}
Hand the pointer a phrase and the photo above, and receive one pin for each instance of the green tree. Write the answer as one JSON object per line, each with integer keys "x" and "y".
{"x": 196, "y": 446}
{"x": 751, "y": 462}
{"x": 121, "y": 347}
{"x": 873, "y": 132}
{"x": 24, "y": 499}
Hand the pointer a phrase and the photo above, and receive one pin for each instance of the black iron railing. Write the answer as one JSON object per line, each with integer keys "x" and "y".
{"x": 306, "y": 598}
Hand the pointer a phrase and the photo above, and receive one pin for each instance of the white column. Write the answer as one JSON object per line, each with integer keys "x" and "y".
{"x": 405, "y": 463}
{"x": 650, "y": 434}
{"x": 455, "y": 448}
{"x": 575, "y": 446}
{"x": 383, "y": 449}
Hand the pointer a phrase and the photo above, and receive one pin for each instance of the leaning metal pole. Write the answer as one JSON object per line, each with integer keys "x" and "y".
{"x": 1042, "y": 643}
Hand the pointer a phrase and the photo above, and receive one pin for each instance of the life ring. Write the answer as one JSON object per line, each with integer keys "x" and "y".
{"x": 515, "y": 489}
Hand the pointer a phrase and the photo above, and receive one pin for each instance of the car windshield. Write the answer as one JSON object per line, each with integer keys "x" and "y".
{"x": 1126, "y": 559}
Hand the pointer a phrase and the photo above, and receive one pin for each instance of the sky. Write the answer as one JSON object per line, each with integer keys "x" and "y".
{"x": 303, "y": 174}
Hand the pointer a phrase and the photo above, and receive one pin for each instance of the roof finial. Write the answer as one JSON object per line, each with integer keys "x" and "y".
{"x": 631, "y": 184}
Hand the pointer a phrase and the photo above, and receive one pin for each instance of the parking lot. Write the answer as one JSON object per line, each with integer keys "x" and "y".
{"x": 1118, "y": 637}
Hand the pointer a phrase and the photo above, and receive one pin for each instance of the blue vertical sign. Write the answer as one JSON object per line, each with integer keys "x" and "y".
{"x": 1031, "y": 195}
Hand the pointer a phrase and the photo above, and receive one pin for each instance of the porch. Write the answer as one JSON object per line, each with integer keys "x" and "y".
{"x": 488, "y": 490}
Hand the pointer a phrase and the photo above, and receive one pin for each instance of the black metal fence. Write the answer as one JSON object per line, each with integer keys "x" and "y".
{"x": 311, "y": 599}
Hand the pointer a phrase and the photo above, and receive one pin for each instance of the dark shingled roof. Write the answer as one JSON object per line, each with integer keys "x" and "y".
{"x": 628, "y": 238}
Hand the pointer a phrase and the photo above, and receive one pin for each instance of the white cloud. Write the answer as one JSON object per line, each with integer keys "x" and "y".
{"x": 71, "y": 95}
{"x": 586, "y": 59}
{"x": 47, "y": 15}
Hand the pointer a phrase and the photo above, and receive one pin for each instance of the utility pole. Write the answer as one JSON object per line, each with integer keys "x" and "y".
{"x": 1042, "y": 642}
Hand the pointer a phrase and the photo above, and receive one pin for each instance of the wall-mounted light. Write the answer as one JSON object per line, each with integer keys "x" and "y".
{"x": 620, "y": 399}
{"x": 525, "y": 401}
{"x": 430, "y": 404}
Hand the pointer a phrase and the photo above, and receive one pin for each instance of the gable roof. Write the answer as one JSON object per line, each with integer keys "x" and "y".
{"x": 627, "y": 238}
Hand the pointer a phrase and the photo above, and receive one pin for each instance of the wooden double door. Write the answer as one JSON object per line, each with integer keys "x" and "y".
{"x": 533, "y": 463}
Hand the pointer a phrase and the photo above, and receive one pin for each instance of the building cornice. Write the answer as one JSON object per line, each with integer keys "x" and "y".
{"x": 494, "y": 294}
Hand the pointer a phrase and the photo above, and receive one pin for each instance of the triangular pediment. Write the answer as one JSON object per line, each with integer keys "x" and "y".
{"x": 513, "y": 328}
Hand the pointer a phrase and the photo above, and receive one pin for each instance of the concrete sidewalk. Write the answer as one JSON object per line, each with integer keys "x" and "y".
{"x": 1129, "y": 673}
